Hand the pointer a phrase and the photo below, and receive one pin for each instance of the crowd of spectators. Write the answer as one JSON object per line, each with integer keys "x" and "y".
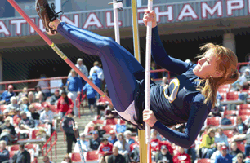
{"x": 120, "y": 144}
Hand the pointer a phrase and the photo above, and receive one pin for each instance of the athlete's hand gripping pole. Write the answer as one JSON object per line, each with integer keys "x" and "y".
{"x": 54, "y": 47}
{"x": 147, "y": 78}
{"x": 76, "y": 133}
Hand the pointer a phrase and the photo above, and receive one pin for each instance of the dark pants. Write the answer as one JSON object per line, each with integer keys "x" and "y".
{"x": 99, "y": 108}
{"x": 120, "y": 66}
{"x": 70, "y": 138}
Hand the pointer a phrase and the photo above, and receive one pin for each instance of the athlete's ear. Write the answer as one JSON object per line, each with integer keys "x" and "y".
{"x": 217, "y": 74}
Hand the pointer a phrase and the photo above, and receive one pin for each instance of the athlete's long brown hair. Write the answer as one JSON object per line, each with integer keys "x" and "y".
{"x": 227, "y": 63}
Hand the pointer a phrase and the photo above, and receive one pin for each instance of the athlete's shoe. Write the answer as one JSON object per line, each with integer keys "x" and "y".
{"x": 47, "y": 14}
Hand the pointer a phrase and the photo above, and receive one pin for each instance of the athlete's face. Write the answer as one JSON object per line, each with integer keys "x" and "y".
{"x": 206, "y": 66}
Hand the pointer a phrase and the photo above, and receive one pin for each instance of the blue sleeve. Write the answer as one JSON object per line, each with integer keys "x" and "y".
{"x": 85, "y": 87}
{"x": 162, "y": 59}
{"x": 79, "y": 81}
{"x": 67, "y": 82}
{"x": 4, "y": 155}
{"x": 4, "y": 94}
{"x": 198, "y": 115}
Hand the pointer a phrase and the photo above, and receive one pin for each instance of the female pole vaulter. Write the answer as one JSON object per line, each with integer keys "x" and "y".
{"x": 187, "y": 99}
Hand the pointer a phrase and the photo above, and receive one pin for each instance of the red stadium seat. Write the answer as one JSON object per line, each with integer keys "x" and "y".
{"x": 3, "y": 107}
{"x": 244, "y": 117}
{"x": 231, "y": 113}
{"x": 213, "y": 121}
{"x": 76, "y": 157}
{"x": 108, "y": 128}
{"x": 241, "y": 147}
{"x": 53, "y": 108}
{"x": 34, "y": 134}
{"x": 90, "y": 128}
{"x": 14, "y": 147}
{"x": 110, "y": 122}
{"x": 92, "y": 156}
{"x": 232, "y": 95}
{"x": 204, "y": 160}
{"x": 98, "y": 121}
{"x": 121, "y": 122}
{"x": 30, "y": 146}
{"x": 244, "y": 112}
{"x": 12, "y": 153}
{"x": 229, "y": 133}
{"x": 244, "y": 106}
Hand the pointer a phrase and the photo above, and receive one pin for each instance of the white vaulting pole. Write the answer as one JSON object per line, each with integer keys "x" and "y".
{"x": 147, "y": 77}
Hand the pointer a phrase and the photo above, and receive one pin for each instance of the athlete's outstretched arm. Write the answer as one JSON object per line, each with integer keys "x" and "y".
{"x": 198, "y": 115}
{"x": 163, "y": 59}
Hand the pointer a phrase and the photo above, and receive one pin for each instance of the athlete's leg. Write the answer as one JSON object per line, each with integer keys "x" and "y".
{"x": 118, "y": 64}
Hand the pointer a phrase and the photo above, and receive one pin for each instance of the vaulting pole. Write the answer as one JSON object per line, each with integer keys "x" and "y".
{"x": 147, "y": 78}
{"x": 54, "y": 47}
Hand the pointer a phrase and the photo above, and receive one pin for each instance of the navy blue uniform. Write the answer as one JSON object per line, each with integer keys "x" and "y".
{"x": 178, "y": 103}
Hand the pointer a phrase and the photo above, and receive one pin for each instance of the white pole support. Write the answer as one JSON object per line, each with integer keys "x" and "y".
{"x": 147, "y": 77}
{"x": 58, "y": 5}
{"x": 117, "y": 6}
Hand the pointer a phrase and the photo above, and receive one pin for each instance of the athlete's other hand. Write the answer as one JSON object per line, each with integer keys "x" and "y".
{"x": 150, "y": 16}
{"x": 149, "y": 117}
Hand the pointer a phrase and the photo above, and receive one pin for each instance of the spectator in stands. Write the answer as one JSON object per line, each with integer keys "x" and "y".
{"x": 120, "y": 128}
{"x": 208, "y": 146}
{"x": 8, "y": 132}
{"x": 105, "y": 150}
{"x": 218, "y": 152}
{"x": 123, "y": 146}
{"x": 243, "y": 95}
{"x": 47, "y": 115}
{"x": 112, "y": 138}
{"x": 22, "y": 94}
{"x": 240, "y": 128}
{"x": 96, "y": 68}
{"x": 4, "y": 153}
{"x": 67, "y": 159}
{"x": 135, "y": 151}
{"x": 95, "y": 141}
{"x": 128, "y": 135}
{"x": 31, "y": 97}
{"x": 220, "y": 137}
{"x": 181, "y": 156}
{"x": 156, "y": 134}
{"x": 74, "y": 85}
{"x": 116, "y": 157}
{"x": 82, "y": 68}
{"x": 239, "y": 158}
{"x": 13, "y": 103}
{"x": 40, "y": 98}
{"x": 100, "y": 131}
{"x": 26, "y": 123}
{"x": 46, "y": 159}
{"x": 34, "y": 114}
{"x": 22, "y": 156}
{"x": 67, "y": 125}
{"x": 43, "y": 85}
{"x": 91, "y": 95}
{"x": 37, "y": 90}
{"x": 163, "y": 155}
{"x": 84, "y": 144}
{"x": 24, "y": 106}
{"x": 224, "y": 157}
{"x": 153, "y": 67}
{"x": 64, "y": 104}
{"x": 17, "y": 117}
{"x": 55, "y": 97}
{"x": 6, "y": 95}
{"x": 95, "y": 79}
{"x": 102, "y": 102}
{"x": 154, "y": 142}
{"x": 234, "y": 149}
{"x": 164, "y": 81}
